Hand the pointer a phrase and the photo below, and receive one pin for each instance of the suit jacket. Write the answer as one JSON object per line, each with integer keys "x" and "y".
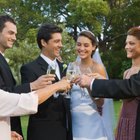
{"x": 50, "y": 122}
{"x": 8, "y": 83}
{"x": 123, "y": 89}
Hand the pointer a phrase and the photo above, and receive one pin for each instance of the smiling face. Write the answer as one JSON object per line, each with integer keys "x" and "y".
{"x": 7, "y": 36}
{"x": 84, "y": 47}
{"x": 132, "y": 47}
{"x": 53, "y": 47}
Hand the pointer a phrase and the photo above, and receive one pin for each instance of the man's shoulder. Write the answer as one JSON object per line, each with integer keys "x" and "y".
{"x": 33, "y": 62}
{"x": 29, "y": 63}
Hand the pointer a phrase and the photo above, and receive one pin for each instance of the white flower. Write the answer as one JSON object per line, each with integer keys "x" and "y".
{"x": 64, "y": 66}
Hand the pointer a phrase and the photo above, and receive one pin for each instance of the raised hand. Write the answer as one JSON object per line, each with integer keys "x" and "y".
{"x": 96, "y": 76}
{"x": 63, "y": 85}
{"x": 42, "y": 81}
{"x": 84, "y": 81}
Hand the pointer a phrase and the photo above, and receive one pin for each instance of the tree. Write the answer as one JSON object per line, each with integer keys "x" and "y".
{"x": 117, "y": 23}
{"x": 108, "y": 19}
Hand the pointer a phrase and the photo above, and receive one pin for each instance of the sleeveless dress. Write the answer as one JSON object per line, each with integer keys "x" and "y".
{"x": 127, "y": 120}
{"x": 87, "y": 124}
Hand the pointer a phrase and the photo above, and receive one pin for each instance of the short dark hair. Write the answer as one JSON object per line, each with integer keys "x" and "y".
{"x": 45, "y": 32}
{"x": 4, "y": 19}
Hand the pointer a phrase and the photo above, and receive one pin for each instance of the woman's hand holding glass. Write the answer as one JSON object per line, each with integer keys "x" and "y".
{"x": 96, "y": 76}
{"x": 85, "y": 71}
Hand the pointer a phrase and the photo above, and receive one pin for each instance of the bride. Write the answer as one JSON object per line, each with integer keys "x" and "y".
{"x": 87, "y": 123}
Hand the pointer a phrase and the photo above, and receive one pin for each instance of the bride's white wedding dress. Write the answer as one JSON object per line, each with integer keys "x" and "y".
{"x": 87, "y": 124}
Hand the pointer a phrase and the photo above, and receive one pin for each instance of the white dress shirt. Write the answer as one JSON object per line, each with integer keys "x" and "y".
{"x": 14, "y": 105}
{"x": 53, "y": 64}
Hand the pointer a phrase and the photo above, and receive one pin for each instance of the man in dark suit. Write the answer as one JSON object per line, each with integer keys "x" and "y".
{"x": 8, "y": 33}
{"x": 51, "y": 122}
{"x": 118, "y": 89}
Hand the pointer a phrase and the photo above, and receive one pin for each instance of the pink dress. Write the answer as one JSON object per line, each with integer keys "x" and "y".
{"x": 127, "y": 120}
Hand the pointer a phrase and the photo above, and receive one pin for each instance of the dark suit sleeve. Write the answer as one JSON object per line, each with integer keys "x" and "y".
{"x": 119, "y": 89}
{"x": 27, "y": 74}
{"x": 24, "y": 88}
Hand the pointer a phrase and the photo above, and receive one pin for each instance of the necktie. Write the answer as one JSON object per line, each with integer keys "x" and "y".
{"x": 56, "y": 68}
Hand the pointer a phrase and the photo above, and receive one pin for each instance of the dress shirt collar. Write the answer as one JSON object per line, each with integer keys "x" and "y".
{"x": 53, "y": 64}
{"x": 48, "y": 60}
{"x": 2, "y": 53}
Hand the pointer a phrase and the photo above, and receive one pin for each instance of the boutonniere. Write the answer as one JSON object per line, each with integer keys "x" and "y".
{"x": 64, "y": 66}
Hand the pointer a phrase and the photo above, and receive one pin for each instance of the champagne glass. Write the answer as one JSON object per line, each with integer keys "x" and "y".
{"x": 70, "y": 74}
{"x": 86, "y": 70}
{"x": 51, "y": 69}
{"x": 70, "y": 71}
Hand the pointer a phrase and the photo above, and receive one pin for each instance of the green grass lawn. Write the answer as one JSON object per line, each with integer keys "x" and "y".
{"x": 24, "y": 123}
{"x": 117, "y": 108}
{"x": 24, "y": 119}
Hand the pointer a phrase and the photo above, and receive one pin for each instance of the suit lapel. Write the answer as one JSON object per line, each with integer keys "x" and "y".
{"x": 6, "y": 67}
{"x": 61, "y": 69}
{"x": 43, "y": 64}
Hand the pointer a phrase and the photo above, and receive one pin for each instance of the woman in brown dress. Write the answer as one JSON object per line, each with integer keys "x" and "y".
{"x": 127, "y": 121}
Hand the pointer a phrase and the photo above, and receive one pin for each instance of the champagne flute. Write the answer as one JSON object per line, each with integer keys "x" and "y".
{"x": 51, "y": 70}
{"x": 70, "y": 74}
{"x": 70, "y": 71}
{"x": 86, "y": 70}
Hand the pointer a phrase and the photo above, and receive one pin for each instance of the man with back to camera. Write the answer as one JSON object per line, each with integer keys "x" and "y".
{"x": 52, "y": 121}
{"x": 8, "y": 31}
{"x": 117, "y": 89}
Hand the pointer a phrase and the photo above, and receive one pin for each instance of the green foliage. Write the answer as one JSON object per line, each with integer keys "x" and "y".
{"x": 88, "y": 13}
{"x": 20, "y": 55}
{"x": 125, "y": 65}
{"x": 113, "y": 62}
{"x": 109, "y": 20}
{"x": 68, "y": 52}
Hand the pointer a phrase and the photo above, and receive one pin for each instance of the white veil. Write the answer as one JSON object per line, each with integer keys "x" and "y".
{"x": 108, "y": 107}
{"x": 96, "y": 57}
